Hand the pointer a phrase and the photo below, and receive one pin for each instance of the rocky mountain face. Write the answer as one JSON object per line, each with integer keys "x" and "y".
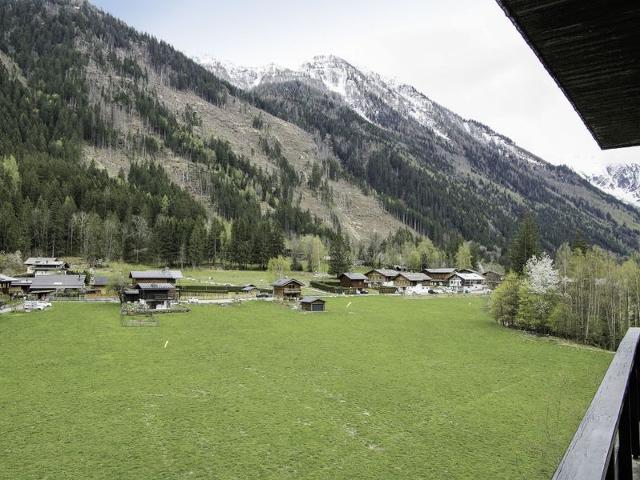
{"x": 428, "y": 148}
{"x": 621, "y": 181}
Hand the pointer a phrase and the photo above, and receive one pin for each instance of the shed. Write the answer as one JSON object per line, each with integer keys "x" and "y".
{"x": 312, "y": 304}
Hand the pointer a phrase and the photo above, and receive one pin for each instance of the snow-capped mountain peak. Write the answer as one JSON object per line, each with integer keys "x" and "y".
{"x": 621, "y": 181}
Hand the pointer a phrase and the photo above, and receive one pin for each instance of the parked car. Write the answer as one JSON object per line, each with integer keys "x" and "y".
{"x": 433, "y": 292}
{"x": 36, "y": 305}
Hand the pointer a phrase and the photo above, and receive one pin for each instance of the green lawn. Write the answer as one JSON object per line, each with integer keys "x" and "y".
{"x": 375, "y": 388}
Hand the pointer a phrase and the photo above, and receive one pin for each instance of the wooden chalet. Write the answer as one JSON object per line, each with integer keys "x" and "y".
{"x": 439, "y": 276}
{"x": 411, "y": 279}
{"x": 378, "y": 276}
{"x": 20, "y": 286}
{"x": 353, "y": 280}
{"x": 155, "y": 276}
{"x": 492, "y": 279}
{"x": 312, "y": 304}
{"x": 156, "y": 295}
{"x": 44, "y": 265}
{"x": 287, "y": 288}
{"x": 5, "y": 284}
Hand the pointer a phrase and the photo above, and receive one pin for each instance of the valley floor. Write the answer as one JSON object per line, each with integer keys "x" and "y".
{"x": 378, "y": 387}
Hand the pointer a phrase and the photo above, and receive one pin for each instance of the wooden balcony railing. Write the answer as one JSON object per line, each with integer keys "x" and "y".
{"x": 609, "y": 435}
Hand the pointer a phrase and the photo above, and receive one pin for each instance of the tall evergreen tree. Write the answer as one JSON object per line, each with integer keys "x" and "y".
{"x": 525, "y": 244}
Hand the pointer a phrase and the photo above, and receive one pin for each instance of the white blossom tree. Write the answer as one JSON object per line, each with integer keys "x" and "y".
{"x": 542, "y": 275}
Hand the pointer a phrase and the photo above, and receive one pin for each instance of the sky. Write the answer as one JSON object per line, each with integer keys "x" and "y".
{"x": 465, "y": 55}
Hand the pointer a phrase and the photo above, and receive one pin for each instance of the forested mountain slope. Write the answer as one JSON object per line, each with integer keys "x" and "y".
{"x": 451, "y": 174}
{"x": 115, "y": 143}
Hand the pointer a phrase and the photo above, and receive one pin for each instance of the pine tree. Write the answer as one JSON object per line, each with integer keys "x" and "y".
{"x": 340, "y": 255}
{"x": 197, "y": 245}
{"x": 525, "y": 245}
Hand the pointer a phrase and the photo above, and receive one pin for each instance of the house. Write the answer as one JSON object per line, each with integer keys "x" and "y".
{"x": 98, "y": 286}
{"x": 492, "y": 279}
{"x": 378, "y": 276}
{"x": 472, "y": 280}
{"x": 70, "y": 285}
{"x": 353, "y": 280}
{"x": 312, "y": 304}
{"x": 157, "y": 296}
{"x": 465, "y": 280}
{"x": 44, "y": 265}
{"x": 155, "y": 276}
{"x": 439, "y": 276}
{"x": 287, "y": 288}
{"x": 20, "y": 286}
{"x": 5, "y": 284}
{"x": 411, "y": 279}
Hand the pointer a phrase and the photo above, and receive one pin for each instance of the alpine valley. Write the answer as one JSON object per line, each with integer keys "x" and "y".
{"x": 118, "y": 129}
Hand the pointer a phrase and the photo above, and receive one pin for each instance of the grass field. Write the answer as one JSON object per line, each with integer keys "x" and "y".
{"x": 375, "y": 388}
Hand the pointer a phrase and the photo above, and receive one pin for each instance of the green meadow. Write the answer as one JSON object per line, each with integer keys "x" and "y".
{"x": 374, "y": 388}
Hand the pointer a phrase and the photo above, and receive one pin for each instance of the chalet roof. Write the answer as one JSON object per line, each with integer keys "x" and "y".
{"x": 21, "y": 282}
{"x": 470, "y": 276}
{"x": 385, "y": 272}
{"x": 44, "y": 261}
{"x": 282, "y": 282}
{"x": 4, "y": 278}
{"x": 155, "y": 286}
{"x": 57, "y": 282}
{"x": 312, "y": 300}
{"x": 353, "y": 276}
{"x": 414, "y": 276}
{"x": 156, "y": 274}
{"x": 591, "y": 50}
{"x": 248, "y": 288}
{"x": 439, "y": 270}
{"x": 100, "y": 281}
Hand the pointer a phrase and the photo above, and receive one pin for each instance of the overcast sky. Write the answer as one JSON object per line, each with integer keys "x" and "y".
{"x": 466, "y": 55}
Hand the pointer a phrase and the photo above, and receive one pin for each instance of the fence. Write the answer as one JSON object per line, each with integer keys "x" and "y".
{"x": 609, "y": 435}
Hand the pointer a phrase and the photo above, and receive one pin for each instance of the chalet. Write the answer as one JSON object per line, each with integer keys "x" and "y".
{"x": 287, "y": 288}
{"x": 492, "y": 279}
{"x": 98, "y": 286}
{"x": 459, "y": 280}
{"x": 411, "y": 279}
{"x": 439, "y": 276}
{"x": 44, "y": 265}
{"x": 472, "y": 280}
{"x": 44, "y": 285}
{"x": 353, "y": 280}
{"x": 5, "y": 284}
{"x": 155, "y": 276}
{"x": 379, "y": 276}
{"x": 312, "y": 304}
{"x": 156, "y": 295}
{"x": 20, "y": 286}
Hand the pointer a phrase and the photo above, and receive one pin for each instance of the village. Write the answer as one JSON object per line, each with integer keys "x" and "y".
{"x": 48, "y": 279}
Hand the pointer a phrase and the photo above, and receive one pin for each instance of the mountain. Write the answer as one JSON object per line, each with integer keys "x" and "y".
{"x": 369, "y": 94}
{"x": 428, "y": 149}
{"x": 621, "y": 181}
{"x": 114, "y": 144}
